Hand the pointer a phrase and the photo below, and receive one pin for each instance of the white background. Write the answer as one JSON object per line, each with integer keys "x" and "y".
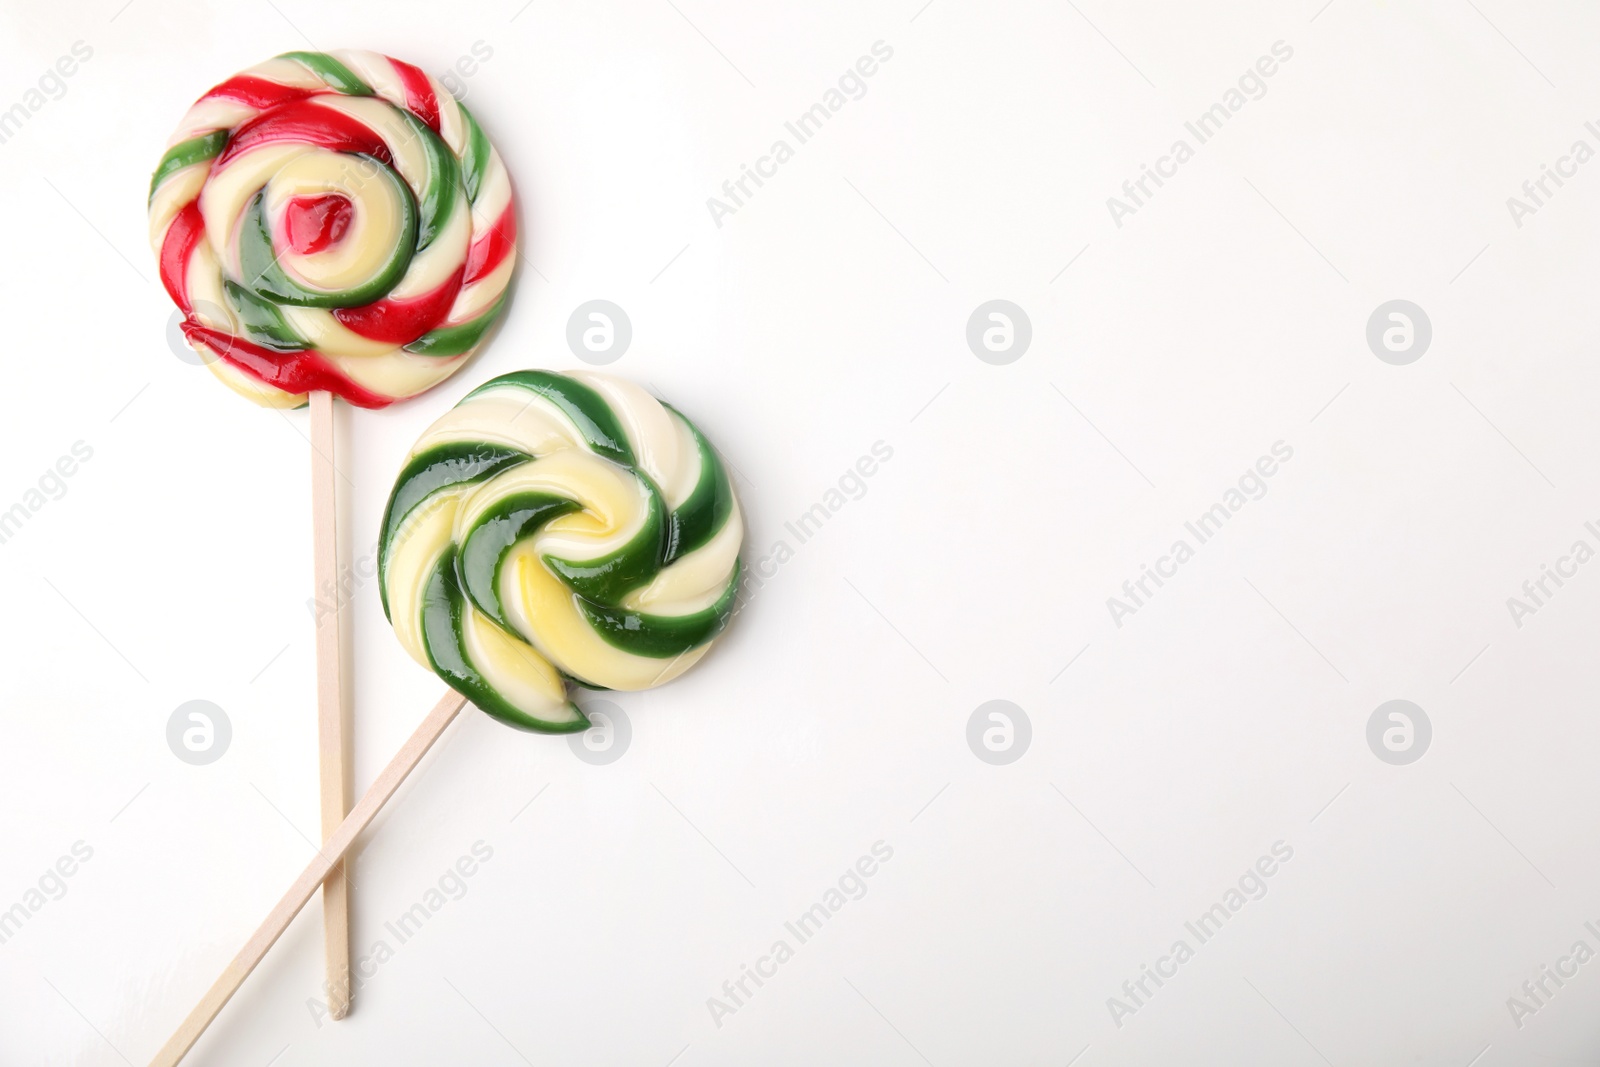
{"x": 827, "y": 314}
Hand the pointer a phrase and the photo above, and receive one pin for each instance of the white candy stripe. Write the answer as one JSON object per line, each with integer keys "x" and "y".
{"x": 217, "y": 113}
{"x": 494, "y": 193}
{"x": 377, "y": 72}
{"x": 452, "y": 124}
{"x": 230, "y": 190}
{"x": 173, "y": 196}
{"x": 442, "y": 99}
{"x": 662, "y": 445}
{"x": 209, "y": 302}
{"x": 614, "y": 503}
{"x": 475, "y": 299}
{"x": 290, "y": 72}
{"x": 247, "y": 385}
{"x": 413, "y": 554}
{"x": 446, "y": 255}
{"x": 511, "y": 417}
{"x": 515, "y": 671}
{"x": 400, "y": 373}
{"x": 693, "y": 582}
{"x": 410, "y": 156}
{"x": 329, "y": 336}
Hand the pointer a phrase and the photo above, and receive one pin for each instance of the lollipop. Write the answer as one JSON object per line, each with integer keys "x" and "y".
{"x": 550, "y": 529}
{"x": 332, "y": 224}
{"x": 559, "y": 526}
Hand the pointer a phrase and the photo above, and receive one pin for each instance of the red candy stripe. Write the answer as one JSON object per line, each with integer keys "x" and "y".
{"x": 176, "y": 250}
{"x": 399, "y": 322}
{"x": 492, "y": 246}
{"x": 306, "y": 122}
{"x": 258, "y": 93}
{"x": 293, "y": 372}
{"x": 420, "y": 98}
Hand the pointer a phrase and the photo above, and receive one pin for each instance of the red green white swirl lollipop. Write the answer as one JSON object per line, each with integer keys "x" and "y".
{"x": 332, "y": 224}
{"x": 335, "y": 222}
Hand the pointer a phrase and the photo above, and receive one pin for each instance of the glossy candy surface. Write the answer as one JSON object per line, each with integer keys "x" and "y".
{"x": 333, "y": 221}
{"x": 554, "y": 527}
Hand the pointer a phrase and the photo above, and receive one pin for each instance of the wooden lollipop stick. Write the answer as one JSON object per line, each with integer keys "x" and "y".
{"x": 330, "y": 857}
{"x": 330, "y": 698}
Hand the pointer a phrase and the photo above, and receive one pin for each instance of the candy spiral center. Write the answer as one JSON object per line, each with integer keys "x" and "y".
{"x": 312, "y": 224}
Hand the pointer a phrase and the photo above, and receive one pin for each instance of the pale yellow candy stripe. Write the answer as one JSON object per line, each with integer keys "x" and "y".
{"x": 452, "y": 127}
{"x": 475, "y": 299}
{"x": 615, "y": 504}
{"x": 410, "y": 157}
{"x": 515, "y": 671}
{"x": 494, "y": 191}
{"x": 230, "y": 190}
{"x": 539, "y": 607}
{"x": 209, "y": 303}
{"x": 663, "y": 447}
{"x": 508, "y": 416}
{"x": 323, "y": 331}
{"x": 214, "y": 114}
{"x": 173, "y": 196}
{"x": 696, "y": 581}
{"x": 374, "y": 228}
{"x": 398, "y": 372}
{"x": 413, "y": 553}
{"x": 435, "y": 264}
{"x": 248, "y": 385}
{"x": 376, "y": 70}
{"x": 289, "y": 72}
{"x": 220, "y": 113}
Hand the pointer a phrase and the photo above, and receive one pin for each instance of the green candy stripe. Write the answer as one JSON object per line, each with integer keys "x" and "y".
{"x": 449, "y": 341}
{"x": 269, "y": 281}
{"x": 330, "y": 70}
{"x": 187, "y": 154}
{"x": 263, "y": 322}
{"x": 699, "y": 518}
{"x": 443, "y": 611}
{"x": 570, "y": 680}
{"x": 661, "y": 636}
{"x": 587, "y": 409}
{"x": 442, "y": 186}
{"x": 437, "y": 470}
{"x": 491, "y": 539}
{"x": 610, "y": 577}
{"x": 476, "y": 161}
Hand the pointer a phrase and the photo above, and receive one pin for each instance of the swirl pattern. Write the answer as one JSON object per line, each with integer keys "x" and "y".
{"x": 333, "y": 221}
{"x": 554, "y": 528}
